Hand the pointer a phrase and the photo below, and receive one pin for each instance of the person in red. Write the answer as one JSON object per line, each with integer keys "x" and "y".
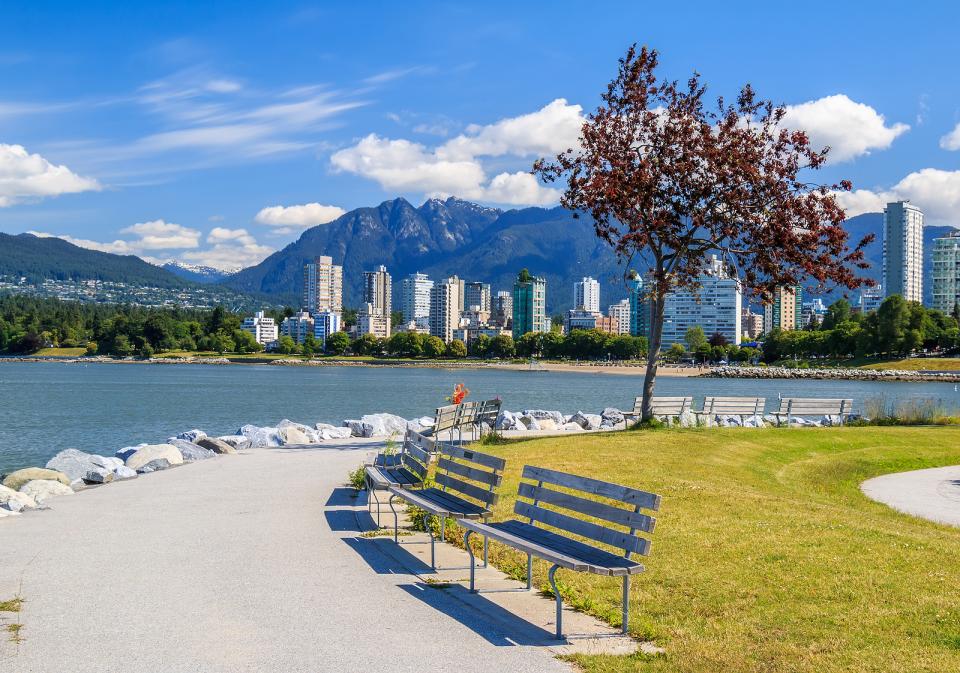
{"x": 459, "y": 393}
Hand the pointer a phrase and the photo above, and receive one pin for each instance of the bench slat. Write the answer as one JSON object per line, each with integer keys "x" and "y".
{"x": 484, "y": 495}
{"x": 600, "y": 510}
{"x": 485, "y": 459}
{"x": 483, "y": 476}
{"x": 614, "y": 538}
{"x": 630, "y": 496}
{"x": 439, "y": 503}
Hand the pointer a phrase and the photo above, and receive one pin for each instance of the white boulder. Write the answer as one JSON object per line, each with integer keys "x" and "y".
{"x": 297, "y": 433}
{"x": 14, "y": 501}
{"x": 192, "y": 435}
{"x": 124, "y": 472}
{"x": 384, "y": 425}
{"x": 529, "y": 422}
{"x": 238, "y": 442}
{"x": 507, "y": 420}
{"x": 41, "y": 490}
{"x": 572, "y": 427}
{"x": 586, "y": 421}
{"x": 336, "y": 433}
{"x": 151, "y": 452}
{"x": 541, "y": 414}
{"x": 261, "y": 437}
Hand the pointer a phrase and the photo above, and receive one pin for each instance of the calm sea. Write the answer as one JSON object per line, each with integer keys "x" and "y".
{"x": 46, "y": 407}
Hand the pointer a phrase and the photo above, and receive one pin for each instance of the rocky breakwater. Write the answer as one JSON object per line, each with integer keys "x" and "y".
{"x": 833, "y": 373}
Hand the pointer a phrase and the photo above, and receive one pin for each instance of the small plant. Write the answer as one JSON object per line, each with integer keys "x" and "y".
{"x": 390, "y": 446}
{"x": 358, "y": 478}
{"x": 651, "y": 424}
{"x": 493, "y": 438}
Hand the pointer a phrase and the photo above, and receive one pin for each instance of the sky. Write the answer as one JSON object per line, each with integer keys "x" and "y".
{"x": 215, "y": 133}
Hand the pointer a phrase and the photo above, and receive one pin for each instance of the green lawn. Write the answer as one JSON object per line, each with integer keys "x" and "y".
{"x": 61, "y": 352}
{"x": 915, "y": 364}
{"x": 766, "y": 556}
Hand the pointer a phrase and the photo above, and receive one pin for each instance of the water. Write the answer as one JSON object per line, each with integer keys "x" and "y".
{"x": 46, "y": 407}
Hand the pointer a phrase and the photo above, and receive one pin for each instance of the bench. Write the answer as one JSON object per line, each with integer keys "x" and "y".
{"x": 466, "y": 482}
{"x": 560, "y": 546}
{"x": 732, "y": 406}
{"x": 407, "y": 468}
{"x": 466, "y": 418}
{"x": 445, "y": 420}
{"x": 812, "y": 406}
{"x": 662, "y": 406}
{"x": 487, "y": 414}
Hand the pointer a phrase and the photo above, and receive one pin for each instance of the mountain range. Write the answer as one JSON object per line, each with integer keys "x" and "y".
{"x": 440, "y": 238}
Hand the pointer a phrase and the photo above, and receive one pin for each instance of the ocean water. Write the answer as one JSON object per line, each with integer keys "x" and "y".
{"x": 46, "y": 407}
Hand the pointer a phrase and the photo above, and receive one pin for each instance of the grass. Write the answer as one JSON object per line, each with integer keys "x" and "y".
{"x": 916, "y": 364}
{"x": 61, "y": 352}
{"x": 14, "y": 628}
{"x": 766, "y": 556}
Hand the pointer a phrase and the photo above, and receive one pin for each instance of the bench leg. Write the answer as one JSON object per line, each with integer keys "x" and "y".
{"x": 396, "y": 521}
{"x": 372, "y": 494}
{"x": 466, "y": 544}
{"x": 443, "y": 528}
{"x": 626, "y": 604}
{"x": 433, "y": 558}
{"x": 529, "y": 572}
{"x": 556, "y": 592}
{"x": 486, "y": 547}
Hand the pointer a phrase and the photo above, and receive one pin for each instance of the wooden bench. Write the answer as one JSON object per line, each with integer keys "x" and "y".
{"x": 732, "y": 406}
{"x": 562, "y": 545}
{"x": 813, "y": 406}
{"x": 407, "y": 468}
{"x": 487, "y": 414}
{"x": 662, "y": 406}
{"x": 445, "y": 420}
{"x": 466, "y": 418}
{"x": 466, "y": 482}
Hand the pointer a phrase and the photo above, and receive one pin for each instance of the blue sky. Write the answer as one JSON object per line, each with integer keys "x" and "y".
{"x": 216, "y": 132}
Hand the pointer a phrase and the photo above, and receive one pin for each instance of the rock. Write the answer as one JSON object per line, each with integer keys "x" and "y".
{"x": 154, "y": 465}
{"x": 572, "y": 427}
{"x": 507, "y": 420}
{"x": 540, "y": 415}
{"x": 336, "y": 433}
{"x": 73, "y": 463}
{"x": 383, "y": 425}
{"x": 239, "y": 442}
{"x": 611, "y": 416}
{"x": 106, "y": 462}
{"x": 261, "y": 437}
{"x": 42, "y": 490}
{"x": 547, "y": 424}
{"x": 17, "y": 479}
{"x": 687, "y": 420}
{"x": 529, "y": 422}
{"x": 324, "y": 426}
{"x": 15, "y": 501}
{"x": 8, "y": 512}
{"x": 421, "y": 424}
{"x": 303, "y": 434}
{"x": 98, "y": 476}
{"x": 128, "y": 451}
{"x": 753, "y": 422}
{"x": 583, "y": 421}
{"x": 358, "y": 428}
{"x": 151, "y": 452}
{"x": 191, "y": 435}
{"x": 124, "y": 472}
{"x": 190, "y": 451}
{"x": 212, "y": 446}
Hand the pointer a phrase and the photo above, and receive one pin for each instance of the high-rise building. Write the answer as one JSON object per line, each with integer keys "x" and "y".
{"x": 586, "y": 295}
{"x": 639, "y": 307}
{"x": 476, "y": 294}
{"x": 751, "y": 324}
{"x": 529, "y": 304}
{"x": 501, "y": 314}
{"x": 946, "y": 272}
{"x": 903, "y": 250}
{"x": 371, "y": 320}
{"x": 578, "y": 318}
{"x": 444, "y": 311}
{"x": 785, "y": 312}
{"x": 621, "y": 313}
{"x": 415, "y": 302}
{"x": 325, "y": 324}
{"x": 322, "y": 286}
{"x": 870, "y": 299}
{"x": 377, "y": 294}
{"x": 297, "y": 326}
{"x": 715, "y": 307}
{"x": 263, "y": 329}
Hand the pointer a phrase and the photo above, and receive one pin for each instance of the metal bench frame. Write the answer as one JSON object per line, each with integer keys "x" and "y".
{"x": 731, "y": 406}
{"x": 488, "y": 412}
{"x": 662, "y": 406}
{"x": 591, "y": 498}
{"x": 813, "y": 406}
{"x": 467, "y": 483}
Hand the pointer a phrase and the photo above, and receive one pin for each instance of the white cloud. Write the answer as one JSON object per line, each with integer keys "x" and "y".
{"x": 230, "y": 249}
{"x": 160, "y": 235}
{"x": 849, "y": 128}
{"x": 936, "y": 192}
{"x": 951, "y": 141}
{"x": 455, "y": 168}
{"x": 223, "y": 86}
{"x": 25, "y": 176}
{"x": 286, "y": 219}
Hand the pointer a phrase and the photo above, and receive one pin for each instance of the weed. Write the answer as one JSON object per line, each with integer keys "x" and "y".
{"x": 358, "y": 478}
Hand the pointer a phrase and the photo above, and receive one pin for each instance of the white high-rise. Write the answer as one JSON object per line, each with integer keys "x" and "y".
{"x": 263, "y": 329}
{"x": 476, "y": 294}
{"x": 946, "y": 272}
{"x": 715, "y": 307}
{"x": 444, "y": 308}
{"x": 378, "y": 299}
{"x": 903, "y": 250}
{"x": 586, "y": 295}
{"x": 322, "y": 286}
{"x": 621, "y": 313}
{"x": 415, "y": 302}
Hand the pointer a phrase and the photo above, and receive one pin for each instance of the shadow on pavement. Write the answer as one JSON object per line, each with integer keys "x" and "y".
{"x": 493, "y": 623}
{"x": 381, "y": 554}
{"x": 346, "y": 496}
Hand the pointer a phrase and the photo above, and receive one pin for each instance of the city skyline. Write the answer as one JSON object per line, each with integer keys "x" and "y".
{"x": 181, "y": 146}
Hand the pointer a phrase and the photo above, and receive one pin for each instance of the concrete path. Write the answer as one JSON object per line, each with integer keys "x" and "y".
{"x": 241, "y": 563}
{"x": 932, "y": 494}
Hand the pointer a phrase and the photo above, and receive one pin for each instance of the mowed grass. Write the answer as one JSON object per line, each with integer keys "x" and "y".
{"x": 917, "y": 364}
{"x": 766, "y": 556}
{"x": 61, "y": 352}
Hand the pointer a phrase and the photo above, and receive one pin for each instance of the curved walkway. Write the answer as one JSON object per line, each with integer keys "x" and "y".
{"x": 236, "y": 564}
{"x": 932, "y": 494}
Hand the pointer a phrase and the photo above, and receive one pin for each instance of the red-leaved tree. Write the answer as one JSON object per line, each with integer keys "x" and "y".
{"x": 670, "y": 181}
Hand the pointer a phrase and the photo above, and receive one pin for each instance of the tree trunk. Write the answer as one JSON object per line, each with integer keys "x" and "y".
{"x": 653, "y": 353}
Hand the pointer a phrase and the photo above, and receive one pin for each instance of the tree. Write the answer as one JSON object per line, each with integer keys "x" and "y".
{"x": 337, "y": 343}
{"x": 676, "y": 352}
{"x": 396, "y": 318}
{"x": 406, "y": 344}
{"x": 221, "y": 342}
{"x": 310, "y": 345}
{"x": 694, "y": 338}
{"x": 91, "y": 348}
{"x": 668, "y": 182}
{"x": 480, "y": 346}
{"x": 456, "y": 349}
{"x": 244, "y": 342}
{"x": 502, "y": 347}
{"x": 433, "y": 347}
{"x": 366, "y": 344}
{"x": 718, "y": 339}
{"x": 837, "y": 313}
{"x": 286, "y": 345}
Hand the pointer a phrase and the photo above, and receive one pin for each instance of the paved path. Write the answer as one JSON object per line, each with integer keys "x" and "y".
{"x": 932, "y": 494}
{"x": 242, "y": 563}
